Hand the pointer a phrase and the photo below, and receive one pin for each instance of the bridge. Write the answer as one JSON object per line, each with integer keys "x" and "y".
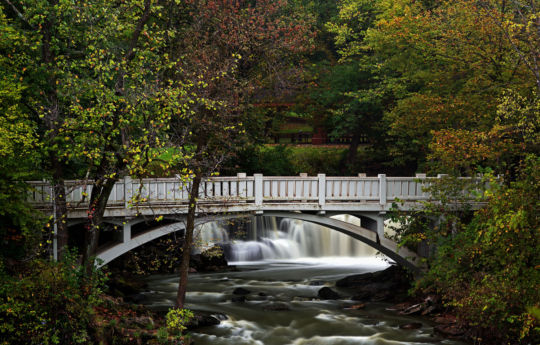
{"x": 308, "y": 198}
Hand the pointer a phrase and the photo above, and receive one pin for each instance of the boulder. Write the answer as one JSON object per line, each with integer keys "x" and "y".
{"x": 204, "y": 319}
{"x": 412, "y": 325}
{"x": 327, "y": 293}
{"x": 238, "y": 299}
{"x": 241, "y": 291}
{"x": 450, "y": 330}
{"x": 276, "y": 306}
{"x": 389, "y": 284}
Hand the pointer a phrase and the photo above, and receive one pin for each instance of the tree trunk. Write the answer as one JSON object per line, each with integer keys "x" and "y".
{"x": 59, "y": 192}
{"x": 188, "y": 240}
{"x": 98, "y": 203}
{"x": 352, "y": 152}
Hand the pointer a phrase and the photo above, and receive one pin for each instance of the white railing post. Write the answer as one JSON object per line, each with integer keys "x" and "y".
{"x": 322, "y": 189}
{"x": 128, "y": 191}
{"x": 242, "y": 184}
{"x": 258, "y": 189}
{"x": 382, "y": 189}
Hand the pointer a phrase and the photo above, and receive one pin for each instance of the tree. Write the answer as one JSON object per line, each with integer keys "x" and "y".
{"x": 355, "y": 85}
{"x": 18, "y": 156}
{"x": 94, "y": 78}
{"x": 453, "y": 61}
{"x": 228, "y": 53}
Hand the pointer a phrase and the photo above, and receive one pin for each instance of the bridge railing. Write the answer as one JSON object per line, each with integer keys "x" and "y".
{"x": 257, "y": 189}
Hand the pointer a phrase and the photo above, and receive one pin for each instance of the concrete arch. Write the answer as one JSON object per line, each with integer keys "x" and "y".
{"x": 402, "y": 256}
{"x": 108, "y": 254}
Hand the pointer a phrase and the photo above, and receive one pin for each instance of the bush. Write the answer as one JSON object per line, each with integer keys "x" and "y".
{"x": 51, "y": 303}
{"x": 177, "y": 319}
{"x": 488, "y": 271}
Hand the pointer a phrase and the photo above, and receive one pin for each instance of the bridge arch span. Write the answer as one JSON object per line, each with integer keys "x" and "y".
{"x": 370, "y": 237}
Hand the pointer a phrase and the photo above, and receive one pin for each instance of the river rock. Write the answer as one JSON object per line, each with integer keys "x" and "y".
{"x": 413, "y": 309}
{"x": 327, "y": 293}
{"x": 356, "y": 306}
{"x": 389, "y": 284}
{"x": 204, "y": 319}
{"x": 412, "y": 325}
{"x": 276, "y": 306}
{"x": 241, "y": 291}
{"x": 238, "y": 299}
{"x": 450, "y": 330}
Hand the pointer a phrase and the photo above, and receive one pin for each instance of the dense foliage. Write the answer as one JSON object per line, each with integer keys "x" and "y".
{"x": 48, "y": 303}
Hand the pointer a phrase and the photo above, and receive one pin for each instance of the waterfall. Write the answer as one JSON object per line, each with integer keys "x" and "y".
{"x": 267, "y": 238}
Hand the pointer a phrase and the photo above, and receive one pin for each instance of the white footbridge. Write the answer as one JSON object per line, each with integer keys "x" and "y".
{"x": 308, "y": 198}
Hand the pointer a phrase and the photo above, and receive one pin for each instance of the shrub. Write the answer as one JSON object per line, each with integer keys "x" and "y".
{"x": 51, "y": 303}
{"x": 177, "y": 319}
{"x": 489, "y": 271}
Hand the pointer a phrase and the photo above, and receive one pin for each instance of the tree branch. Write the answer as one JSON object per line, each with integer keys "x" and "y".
{"x": 19, "y": 14}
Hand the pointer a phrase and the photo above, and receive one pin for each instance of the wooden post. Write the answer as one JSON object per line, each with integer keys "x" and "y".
{"x": 382, "y": 189}
{"x": 322, "y": 189}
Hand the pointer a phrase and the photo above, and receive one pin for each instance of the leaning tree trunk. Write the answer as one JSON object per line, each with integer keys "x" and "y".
{"x": 188, "y": 240}
{"x": 98, "y": 203}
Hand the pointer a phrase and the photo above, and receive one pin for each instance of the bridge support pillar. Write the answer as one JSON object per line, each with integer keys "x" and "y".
{"x": 380, "y": 225}
{"x": 126, "y": 233}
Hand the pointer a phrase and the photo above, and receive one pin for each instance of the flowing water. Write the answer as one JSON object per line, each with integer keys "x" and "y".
{"x": 283, "y": 264}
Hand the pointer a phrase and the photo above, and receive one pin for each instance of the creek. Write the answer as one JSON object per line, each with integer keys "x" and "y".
{"x": 283, "y": 264}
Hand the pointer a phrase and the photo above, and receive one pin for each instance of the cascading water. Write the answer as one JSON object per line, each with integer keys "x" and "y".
{"x": 268, "y": 238}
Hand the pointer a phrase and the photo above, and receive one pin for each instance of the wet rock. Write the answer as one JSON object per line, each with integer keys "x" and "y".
{"x": 238, "y": 299}
{"x": 413, "y": 309}
{"x": 241, "y": 291}
{"x": 204, "y": 319}
{"x": 327, "y": 293}
{"x": 445, "y": 319}
{"x": 399, "y": 306}
{"x": 262, "y": 294}
{"x": 389, "y": 284}
{"x": 450, "y": 330}
{"x": 316, "y": 283}
{"x": 429, "y": 309}
{"x": 136, "y": 298}
{"x": 357, "y": 306}
{"x": 412, "y": 325}
{"x": 276, "y": 306}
